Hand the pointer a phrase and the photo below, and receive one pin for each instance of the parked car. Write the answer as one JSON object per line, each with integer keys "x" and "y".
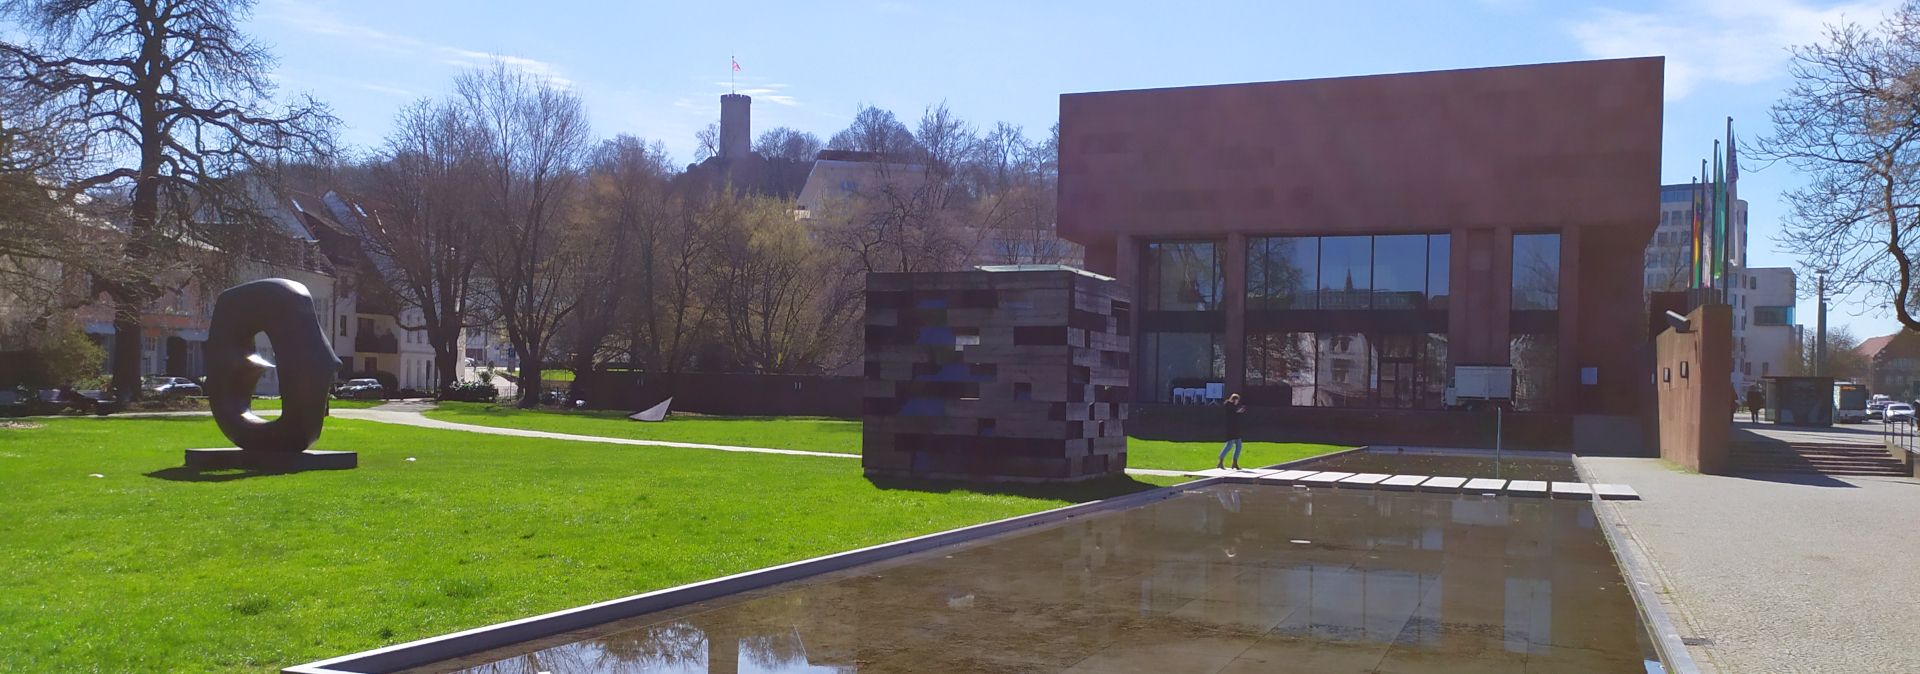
{"x": 15, "y": 402}
{"x": 167, "y": 387}
{"x": 1875, "y": 407}
{"x": 361, "y": 389}
{"x": 1897, "y": 412}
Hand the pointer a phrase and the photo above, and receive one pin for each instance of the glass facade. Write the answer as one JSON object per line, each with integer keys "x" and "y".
{"x": 1182, "y": 276}
{"x": 1180, "y": 345}
{"x": 1282, "y": 273}
{"x": 1347, "y": 321}
{"x": 1536, "y": 272}
{"x": 1535, "y": 357}
{"x": 1180, "y": 360}
{"x": 1346, "y": 272}
{"x": 1388, "y": 273}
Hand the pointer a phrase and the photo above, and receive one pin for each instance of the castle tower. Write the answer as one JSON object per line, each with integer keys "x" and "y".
{"x": 736, "y": 125}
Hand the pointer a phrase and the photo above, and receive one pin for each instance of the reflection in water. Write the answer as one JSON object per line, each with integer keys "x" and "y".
{"x": 1257, "y": 577}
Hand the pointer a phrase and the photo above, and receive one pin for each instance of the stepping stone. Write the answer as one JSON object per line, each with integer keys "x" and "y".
{"x": 1256, "y": 473}
{"x": 1402, "y": 482}
{"x": 1328, "y": 477}
{"x": 1213, "y": 472}
{"x": 1527, "y": 488}
{"x": 1615, "y": 492}
{"x": 1362, "y": 480}
{"x": 1484, "y": 485}
{"x": 1578, "y": 490}
{"x": 1443, "y": 484}
{"x": 1286, "y": 476}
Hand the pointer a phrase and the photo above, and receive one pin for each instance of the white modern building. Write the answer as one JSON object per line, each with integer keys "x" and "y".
{"x": 1762, "y": 344}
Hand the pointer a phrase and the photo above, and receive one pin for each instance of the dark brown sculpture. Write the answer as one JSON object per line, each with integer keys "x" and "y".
{"x": 302, "y": 357}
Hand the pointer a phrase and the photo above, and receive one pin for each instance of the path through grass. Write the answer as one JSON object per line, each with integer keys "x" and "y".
{"x": 822, "y": 435}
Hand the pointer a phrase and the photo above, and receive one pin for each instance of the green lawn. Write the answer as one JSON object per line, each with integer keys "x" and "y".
{"x": 154, "y": 568}
{"x": 822, "y": 435}
{"x": 1171, "y": 455}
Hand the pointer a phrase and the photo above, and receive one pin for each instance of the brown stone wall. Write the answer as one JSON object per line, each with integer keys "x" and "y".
{"x": 1693, "y": 378}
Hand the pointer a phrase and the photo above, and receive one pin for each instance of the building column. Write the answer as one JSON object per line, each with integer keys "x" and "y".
{"x": 1569, "y": 394}
{"x": 1124, "y": 261}
{"x": 1233, "y": 303}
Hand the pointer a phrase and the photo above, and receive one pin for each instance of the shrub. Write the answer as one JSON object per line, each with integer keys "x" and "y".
{"x": 470, "y": 392}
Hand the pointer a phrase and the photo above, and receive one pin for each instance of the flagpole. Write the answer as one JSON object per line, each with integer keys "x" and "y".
{"x": 732, "y": 58}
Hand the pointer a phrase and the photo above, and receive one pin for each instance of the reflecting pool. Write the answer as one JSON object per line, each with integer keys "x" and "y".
{"x": 1232, "y": 578}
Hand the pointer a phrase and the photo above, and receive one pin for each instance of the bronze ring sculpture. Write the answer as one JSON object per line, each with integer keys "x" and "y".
{"x": 302, "y": 357}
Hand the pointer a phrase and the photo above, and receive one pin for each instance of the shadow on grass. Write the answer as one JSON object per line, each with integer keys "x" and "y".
{"x": 1076, "y": 492}
{"x": 185, "y": 474}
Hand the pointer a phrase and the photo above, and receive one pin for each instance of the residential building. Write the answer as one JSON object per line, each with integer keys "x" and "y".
{"x": 1893, "y": 364}
{"x": 1342, "y": 243}
{"x": 1769, "y": 343}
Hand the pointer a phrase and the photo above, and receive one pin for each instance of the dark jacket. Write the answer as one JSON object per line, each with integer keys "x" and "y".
{"x": 1233, "y": 413}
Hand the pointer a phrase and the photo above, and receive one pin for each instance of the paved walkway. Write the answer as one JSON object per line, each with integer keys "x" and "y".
{"x": 409, "y": 414}
{"x": 1863, "y": 433}
{"x": 1808, "y": 573}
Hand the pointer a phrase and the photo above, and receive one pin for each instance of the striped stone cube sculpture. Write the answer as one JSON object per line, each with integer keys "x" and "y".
{"x": 1003, "y": 373}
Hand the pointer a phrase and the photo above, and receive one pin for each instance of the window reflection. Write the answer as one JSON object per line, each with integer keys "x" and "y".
{"x": 1399, "y": 271}
{"x": 1439, "y": 270}
{"x": 1534, "y": 358}
{"x": 1181, "y": 360}
{"x": 1346, "y": 272}
{"x": 1281, "y": 273}
{"x": 1536, "y": 272}
{"x": 1182, "y": 276}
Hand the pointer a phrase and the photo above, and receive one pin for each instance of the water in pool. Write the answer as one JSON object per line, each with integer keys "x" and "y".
{"x": 1436, "y": 464}
{"x": 1232, "y": 578}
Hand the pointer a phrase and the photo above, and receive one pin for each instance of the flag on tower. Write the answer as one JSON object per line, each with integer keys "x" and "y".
{"x": 736, "y": 63}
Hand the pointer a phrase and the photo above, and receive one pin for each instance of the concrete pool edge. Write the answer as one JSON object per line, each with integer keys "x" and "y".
{"x": 448, "y": 646}
{"x": 1643, "y": 581}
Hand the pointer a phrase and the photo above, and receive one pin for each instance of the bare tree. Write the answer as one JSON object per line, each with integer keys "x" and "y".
{"x": 173, "y": 103}
{"x": 786, "y": 143}
{"x": 422, "y": 236}
{"x": 1851, "y": 124}
{"x": 624, "y": 211}
{"x": 778, "y": 306}
{"x": 532, "y": 135}
{"x": 706, "y": 143}
{"x": 873, "y": 130}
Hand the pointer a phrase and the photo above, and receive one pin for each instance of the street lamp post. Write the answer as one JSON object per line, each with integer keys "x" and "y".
{"x": 1820, "y": 324}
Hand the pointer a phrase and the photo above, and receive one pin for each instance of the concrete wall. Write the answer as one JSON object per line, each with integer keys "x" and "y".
{"x": 1693, "y": 378}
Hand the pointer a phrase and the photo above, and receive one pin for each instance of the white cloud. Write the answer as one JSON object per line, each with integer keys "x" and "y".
{"x": 380, "y": 88}
{"x": 1728, "y": 41}
{"x": 319, "y": 22}
{"x": 768, "y": 92}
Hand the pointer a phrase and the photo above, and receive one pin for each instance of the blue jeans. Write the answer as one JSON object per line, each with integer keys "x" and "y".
{"x": 1234, "y": 446}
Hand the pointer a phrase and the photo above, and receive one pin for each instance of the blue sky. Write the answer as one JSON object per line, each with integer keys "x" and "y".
{"x": 655, "y": 69}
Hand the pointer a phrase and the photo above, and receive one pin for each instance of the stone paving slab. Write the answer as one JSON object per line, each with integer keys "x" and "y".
{"x": 1443, "y": 484}
{"x": 1485, "y": 485}
{"x": 1527, "y": 488}
{"x": 1402, "y": 482}
{"x": 1615, "y": 492}
{"x": 1572, "y": 490}
{"x": 1362, "y": 480}
{"x": 1806, "y": 573}
{"x": 1286, "y": 476}
{"x": 1324, "y": 478}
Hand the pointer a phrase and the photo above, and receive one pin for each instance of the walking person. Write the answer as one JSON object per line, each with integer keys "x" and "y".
{"x": 1233, "y": 409}
{"x": 1756, "y": 401}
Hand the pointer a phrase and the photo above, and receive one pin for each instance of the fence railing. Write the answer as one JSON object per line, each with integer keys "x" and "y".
{"x": 1903, "y": 433}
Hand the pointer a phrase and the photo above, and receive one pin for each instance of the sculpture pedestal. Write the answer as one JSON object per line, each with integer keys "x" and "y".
{"x": 234, "y": 457}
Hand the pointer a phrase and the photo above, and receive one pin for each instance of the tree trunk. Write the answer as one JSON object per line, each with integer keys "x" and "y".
{"x": 126, "y": 351}
{"x": 450, "y": 365}
{"x": 530, "y": 373}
